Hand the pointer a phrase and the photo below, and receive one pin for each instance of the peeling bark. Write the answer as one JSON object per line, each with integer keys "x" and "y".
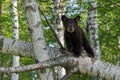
{"x": 93, "y": 27}
{"x": 16, "y": 47}
{"x": 23, "y": 49}
{"x": 38, "y": 41}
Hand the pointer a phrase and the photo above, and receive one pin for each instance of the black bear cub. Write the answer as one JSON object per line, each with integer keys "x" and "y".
{"x": 75, "y": 37}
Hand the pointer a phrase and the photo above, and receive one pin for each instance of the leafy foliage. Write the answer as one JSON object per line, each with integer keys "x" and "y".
{"x": 109, "y": 30}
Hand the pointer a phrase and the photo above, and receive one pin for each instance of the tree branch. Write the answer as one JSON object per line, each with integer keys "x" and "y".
{"x": 62, "y": 61}
{"x": 16, "y": 47}
{"x": 118, "y": 5}
{"x": 83, "y": 65}
{"x": 24, "y": 49}
{"x": 51, "y": 28}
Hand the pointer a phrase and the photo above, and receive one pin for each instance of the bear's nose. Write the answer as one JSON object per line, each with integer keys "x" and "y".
{"x": 70, "y": 29}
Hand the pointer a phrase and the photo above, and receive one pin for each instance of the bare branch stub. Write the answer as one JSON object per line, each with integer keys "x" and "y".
{"x": 32, "y": 5}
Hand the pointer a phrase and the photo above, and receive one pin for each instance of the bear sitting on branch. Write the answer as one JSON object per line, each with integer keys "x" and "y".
{"x": 75, "y": 37}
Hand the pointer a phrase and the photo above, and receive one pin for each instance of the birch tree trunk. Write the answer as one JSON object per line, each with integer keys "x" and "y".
{"x": 58, "y": 22}
{"x": 60, "y": 33}
{"x": 93, "y": 28}
{"x": 15, "y": 35}
{"x": 38, "y": 42}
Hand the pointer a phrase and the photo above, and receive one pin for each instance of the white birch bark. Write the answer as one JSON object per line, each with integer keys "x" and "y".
{"x": 38, "y": 42}
{"x": 83, "y": 65}
{"x": 60, "y": 33}
{"x": 16, "y": 47}
{"x": 15, "y": 36}
{"x": 22, "y": 48}
{"x": 93, "y": 27}
{"x": 58, "y": 22}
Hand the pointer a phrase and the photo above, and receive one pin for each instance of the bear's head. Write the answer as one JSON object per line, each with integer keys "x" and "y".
{"x": 70, "y": 24}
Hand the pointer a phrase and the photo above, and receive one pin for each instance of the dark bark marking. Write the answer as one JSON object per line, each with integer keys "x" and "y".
{"x": 13, "y": 42}
{"x": 1, "y": 43}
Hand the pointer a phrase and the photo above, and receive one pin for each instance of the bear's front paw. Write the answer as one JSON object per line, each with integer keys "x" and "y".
{"x": 76, "y": 55}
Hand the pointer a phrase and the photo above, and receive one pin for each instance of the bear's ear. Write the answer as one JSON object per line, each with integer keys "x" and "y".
{"x": 77, "y": 18}
{"x": 64, "y": 18}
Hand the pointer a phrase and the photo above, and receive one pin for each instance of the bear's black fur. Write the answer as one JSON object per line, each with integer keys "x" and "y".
{"x": 75, "y": 37}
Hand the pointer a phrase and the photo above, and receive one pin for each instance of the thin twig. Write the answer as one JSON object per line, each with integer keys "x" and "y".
{"x": 51, "y": 28}
{"x": 114, "y": 3}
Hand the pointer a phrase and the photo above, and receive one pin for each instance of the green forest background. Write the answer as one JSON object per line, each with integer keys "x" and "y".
{"x": 108, "y": 24}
